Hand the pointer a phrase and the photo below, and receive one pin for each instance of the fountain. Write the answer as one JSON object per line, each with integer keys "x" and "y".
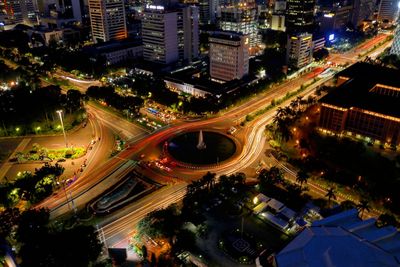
{"x": 190, "y": 147}
{"x": 201, "y": 145}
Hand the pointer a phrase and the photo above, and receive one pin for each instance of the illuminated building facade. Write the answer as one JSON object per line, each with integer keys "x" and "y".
{"x": 170, "y": 34}
{"x": 18, "y": 11}
{"x": 364, "y": 105}
{"x": 107, "y": 19}
{"x": 300, "y": 15}
{"x": 395, "y": 49}
{"x": 388, "y": 11}
{"x": 241, "y": 17}
{"x": 229, "y": 56}
{"x": 299, "y": 50}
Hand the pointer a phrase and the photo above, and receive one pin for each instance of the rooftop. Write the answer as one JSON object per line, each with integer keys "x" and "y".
{"x": 369, "y": 87}
{"x": 343, "y": 240}
{"x": 226, "y": 35}
{"x": 196, "y": 78}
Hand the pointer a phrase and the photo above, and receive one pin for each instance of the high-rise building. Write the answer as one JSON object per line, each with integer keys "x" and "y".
{"x": 229, "y": 56}
{"x": 240, "y": 17}
{"x": 18, "y": 11}
{"x": 388, "y": 11}
{"x": 207, "y": 11}
{"x": 107, "y": 19}
{"x": 362, "y": 10}
{"x": 278, "y": 16}
{"x": 299, "y": 50}
{"x": 395, "y": 49}
{"x": 170, "y": 33}
{"x": 336, "y": 19}
{"x": 300, "y": 15}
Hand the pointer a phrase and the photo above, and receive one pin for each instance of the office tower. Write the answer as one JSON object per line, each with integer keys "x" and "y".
{"x": 170, "y": 33}
{"x": 299, "y": 50}
{"x": 395, "y": 49}
{"x": 240, "y": 17}
{"x": 336, "y": 19}
{"x": 207, "y": 11}
{"x": 300, "y": 15}
{"x": 18, "y": 11}
{"x": 388, "y": 11}
{"x": 278, "y": 16}
{"x": 107, "y": 19}
{"x": 229, "y": 56}
{"x": 362, "y": 10}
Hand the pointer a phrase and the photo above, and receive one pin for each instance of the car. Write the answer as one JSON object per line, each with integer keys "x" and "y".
{"x": 93, "y": 142}
{"x": 83, "y": 165}
{"x": 232, "y": 130}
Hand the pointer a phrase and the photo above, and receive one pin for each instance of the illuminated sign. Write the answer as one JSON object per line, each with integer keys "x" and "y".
{"x": 154, "y": 7}
{"x": 331, "y": 37}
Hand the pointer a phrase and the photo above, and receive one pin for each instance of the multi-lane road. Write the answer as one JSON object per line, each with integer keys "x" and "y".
{"x": 253, "y": 139}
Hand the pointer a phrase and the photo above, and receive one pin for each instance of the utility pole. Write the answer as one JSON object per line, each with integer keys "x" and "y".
{"x": 62, "y": 126}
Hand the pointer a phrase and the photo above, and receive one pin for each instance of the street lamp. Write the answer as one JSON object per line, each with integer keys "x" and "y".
{"x": 62, "y": 126}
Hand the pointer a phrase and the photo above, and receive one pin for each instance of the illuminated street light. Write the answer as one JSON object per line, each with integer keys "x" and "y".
{"x": 62, "y": 126}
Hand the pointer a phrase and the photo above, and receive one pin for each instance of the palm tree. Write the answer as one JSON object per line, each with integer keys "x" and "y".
{"x": 209, "y": 179}
{"x": 302, "y": 177}
{"x": 330, "y": 194}
{"x": 363, "y": 206}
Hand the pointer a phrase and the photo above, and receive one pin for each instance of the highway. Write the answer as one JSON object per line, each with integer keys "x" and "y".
{"x": 118, "y": 227}
{"x": 253, "y": 139}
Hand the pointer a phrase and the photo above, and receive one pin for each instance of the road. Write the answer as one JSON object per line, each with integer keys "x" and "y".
{"x": 253, "y": 138}
{"x": 119, "y": 226}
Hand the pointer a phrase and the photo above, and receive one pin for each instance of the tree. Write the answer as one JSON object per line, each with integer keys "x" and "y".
{"x": 270, "y": 177}
{"x": 363, "y": 206}
{"x": 209, "y": 180}
{"x": 302, "y": 177}
{"x": 387, "y": 219}
{"x": 330, "y": 194}
{"x": 144, "y": 252}
{"x": 8, "y": 218}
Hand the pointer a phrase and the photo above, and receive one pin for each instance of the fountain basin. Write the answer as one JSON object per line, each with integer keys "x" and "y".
{"x": 218, "y": 148}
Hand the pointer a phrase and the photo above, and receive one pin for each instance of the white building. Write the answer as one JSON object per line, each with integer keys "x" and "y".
{"x": 299, "y": 50}
{"x": 388, "y": 11}
{"x": 107, "y": 19}
{"x": 229, "y": 56}
{"x": 278, "y": 22}
{"x": 170, "y": 34}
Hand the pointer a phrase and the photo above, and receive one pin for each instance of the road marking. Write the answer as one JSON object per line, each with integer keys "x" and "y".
{"x": 7, "y": 165}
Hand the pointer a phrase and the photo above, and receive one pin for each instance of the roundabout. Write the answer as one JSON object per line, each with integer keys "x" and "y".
{"x": 201, "y": 148}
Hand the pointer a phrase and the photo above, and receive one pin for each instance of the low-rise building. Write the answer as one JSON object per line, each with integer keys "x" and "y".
{"x": 197, "y": 83}
{"x": 342, "y": 240}
{"x": 115, "y": 52}
{"x": 365, "y": 104}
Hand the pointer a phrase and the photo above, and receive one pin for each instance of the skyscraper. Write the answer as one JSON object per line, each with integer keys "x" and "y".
{"x": 170, "y": 33}
{"x": 362, "y": 10}
{"x": 395, "y": 49}
{"x": 19, "y": 11}
{"x": 229, "y": 55}
{"x": 300, "y": 15}
{"x": 207, "y": 11}
{"x": 107, "y": 19}
{"x": 240, "y": 17}
{"x": 388, "y": 11}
